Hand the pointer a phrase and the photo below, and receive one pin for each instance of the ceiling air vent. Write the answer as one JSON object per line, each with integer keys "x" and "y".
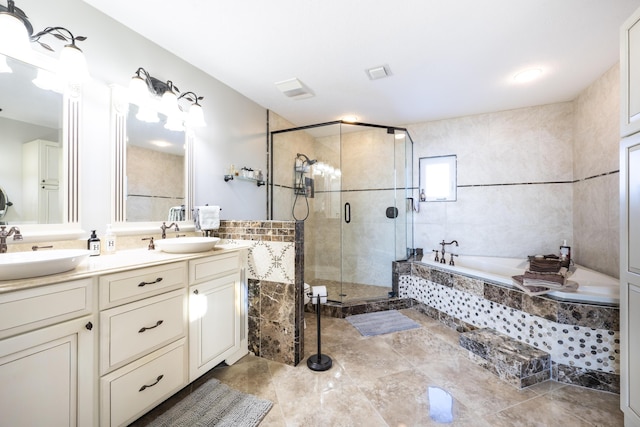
{"x": 294, "y": 88}
{"x": 378, "y": 72}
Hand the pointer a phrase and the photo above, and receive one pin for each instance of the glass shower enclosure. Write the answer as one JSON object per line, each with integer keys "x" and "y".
{"x": 351, "y": 183}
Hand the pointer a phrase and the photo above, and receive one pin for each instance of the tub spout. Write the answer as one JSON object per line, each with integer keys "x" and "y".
{"x": 443, "y": 244}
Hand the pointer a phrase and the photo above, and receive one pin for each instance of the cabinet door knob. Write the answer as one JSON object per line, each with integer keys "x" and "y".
{"x": 151, "y": 385}
{"x": 196, "y": 292}
{"x": 158, "y": 280}
{"x": 89, "y": 326}
{"x": 158, "y": 323}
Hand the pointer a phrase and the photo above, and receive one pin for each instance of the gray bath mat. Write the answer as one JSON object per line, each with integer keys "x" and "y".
{"x": 381, "y": 322}
{"x": 215, "y": 404}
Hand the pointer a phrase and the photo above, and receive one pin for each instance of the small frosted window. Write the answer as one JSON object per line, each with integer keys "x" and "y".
{"x": 438, "y": 179}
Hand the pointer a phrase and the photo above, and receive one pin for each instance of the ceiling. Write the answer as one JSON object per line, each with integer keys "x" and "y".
{"x": 446, "y": 58}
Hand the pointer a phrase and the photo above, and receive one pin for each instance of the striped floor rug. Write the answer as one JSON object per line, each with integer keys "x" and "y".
{"x": 215, "y": 404}
{"x": 381, "y": 322}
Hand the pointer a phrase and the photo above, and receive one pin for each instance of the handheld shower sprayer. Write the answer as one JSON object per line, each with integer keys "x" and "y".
{"x": 307, "y": 160}
{"x": 302, "y": 164}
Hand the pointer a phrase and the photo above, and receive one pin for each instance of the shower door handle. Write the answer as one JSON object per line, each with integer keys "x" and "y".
{"x": 347, "y": 212}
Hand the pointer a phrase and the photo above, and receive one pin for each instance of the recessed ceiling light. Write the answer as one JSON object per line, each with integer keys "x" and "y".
{"x": 527, "y": 75}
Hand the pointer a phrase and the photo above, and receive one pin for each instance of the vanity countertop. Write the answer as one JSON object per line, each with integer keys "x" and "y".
{"x": 120, "y": 261}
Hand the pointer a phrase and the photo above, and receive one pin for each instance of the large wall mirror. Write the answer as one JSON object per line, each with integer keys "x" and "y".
{"x": 39, "y": 141}
{"x": 152, "y": 179}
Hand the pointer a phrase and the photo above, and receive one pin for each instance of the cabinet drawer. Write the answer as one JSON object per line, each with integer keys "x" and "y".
{"x": 130, "y": 392}
{"x": 212, "y": 267}
{"x": 29, "y": 309}
{"x": 128, "y": 286}
{"x": 135, "y": 329}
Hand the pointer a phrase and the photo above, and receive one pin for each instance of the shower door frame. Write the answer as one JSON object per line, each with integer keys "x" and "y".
{"x": 400, "y": 201}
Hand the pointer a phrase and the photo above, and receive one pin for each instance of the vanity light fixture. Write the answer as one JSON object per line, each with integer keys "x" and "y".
{"x": 195, "y": 117}
{"x": 16, "y": 32}
{"x": 144, "y": 90}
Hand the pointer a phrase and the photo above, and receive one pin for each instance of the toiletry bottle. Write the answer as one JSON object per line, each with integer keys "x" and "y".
{"x": 423, "y": 197}
{"x": 565, "y": 254}
{"x": 109, "y": 241}
{"x": 93, "y": 244}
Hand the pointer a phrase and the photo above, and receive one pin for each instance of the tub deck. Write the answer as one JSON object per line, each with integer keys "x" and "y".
{"x": 593, "y": 287}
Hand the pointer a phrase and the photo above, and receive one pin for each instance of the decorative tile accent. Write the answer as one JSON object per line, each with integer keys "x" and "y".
{"x": 273, "y": 261}
{"x": 267, "y": 231}
{"x": 274, "y": 272}
{"x": 577, "y": 336}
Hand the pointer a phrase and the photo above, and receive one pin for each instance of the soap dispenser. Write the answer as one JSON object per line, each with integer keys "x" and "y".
{"x": 110, "y": 241}
{"x": 565, "y": 254}
{"x": 93, "y": 244}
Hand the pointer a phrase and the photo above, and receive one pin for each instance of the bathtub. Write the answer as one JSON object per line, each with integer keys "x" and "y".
{"x": 594, "y": 287}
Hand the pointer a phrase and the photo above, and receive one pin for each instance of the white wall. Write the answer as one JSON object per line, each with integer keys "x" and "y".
{"x": 236, "y": 131}
{"x": 530, "y": 178}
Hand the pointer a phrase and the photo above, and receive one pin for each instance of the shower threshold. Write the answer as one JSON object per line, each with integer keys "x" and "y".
{"x": 343, "y": 292}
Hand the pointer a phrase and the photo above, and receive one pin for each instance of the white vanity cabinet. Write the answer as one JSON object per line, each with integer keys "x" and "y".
{"x": 143, "y": 340}
{"x": 47, "y": 363}
{"x": 630, "y": 220}
{"x": 630, "y": 281}
{"x": 217, "y": 318}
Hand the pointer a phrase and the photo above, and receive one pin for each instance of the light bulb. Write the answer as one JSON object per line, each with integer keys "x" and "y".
{"x": 147, "y": 114}
{"x": 72, "y": 67}
{"x": 174, "y": 123}
{"x": 527, "y": 75}
{"x": 138, "y": 91}
{"x": 169, "y": 103}
{"x": 46, "y": 80}
{"x": 14, "y": 38}
{"x": 196, "y": 116}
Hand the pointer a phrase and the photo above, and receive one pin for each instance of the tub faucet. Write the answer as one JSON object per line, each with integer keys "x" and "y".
{"x": 15, "y": 231}
{"x": 443, "y": 244}
{"x": 164, "y": 228}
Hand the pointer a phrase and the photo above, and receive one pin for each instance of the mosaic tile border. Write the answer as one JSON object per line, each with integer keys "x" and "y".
{"x": 274, "y": 265}
{"x": 267, "y": 231}
{"x": 576, "y": 346}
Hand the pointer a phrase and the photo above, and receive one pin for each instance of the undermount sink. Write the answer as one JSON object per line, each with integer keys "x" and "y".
{"x": 24, "y": 265}
{"x": 185, "y": 245}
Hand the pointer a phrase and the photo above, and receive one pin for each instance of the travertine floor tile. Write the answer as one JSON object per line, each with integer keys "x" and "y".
{"x": 420, "y": 377}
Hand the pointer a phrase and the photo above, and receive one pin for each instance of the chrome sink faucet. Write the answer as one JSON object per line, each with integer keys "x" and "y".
{"x": 164, "y": 228}
{"x": 443, "y": 244}
{"x": 15, "y": 231}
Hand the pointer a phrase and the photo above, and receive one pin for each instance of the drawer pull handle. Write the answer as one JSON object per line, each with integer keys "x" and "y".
{"x": 151, "y": 385}
{"x": 196, "y": 292}
{"x": 141, "y": 284}
{"x": 158, "y": 323}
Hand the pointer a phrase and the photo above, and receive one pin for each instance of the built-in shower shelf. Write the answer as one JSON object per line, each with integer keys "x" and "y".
{"x": 259, "y": 182}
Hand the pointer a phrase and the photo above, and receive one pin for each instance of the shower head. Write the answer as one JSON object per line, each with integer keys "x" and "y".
{"x": 306, "y": 159}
